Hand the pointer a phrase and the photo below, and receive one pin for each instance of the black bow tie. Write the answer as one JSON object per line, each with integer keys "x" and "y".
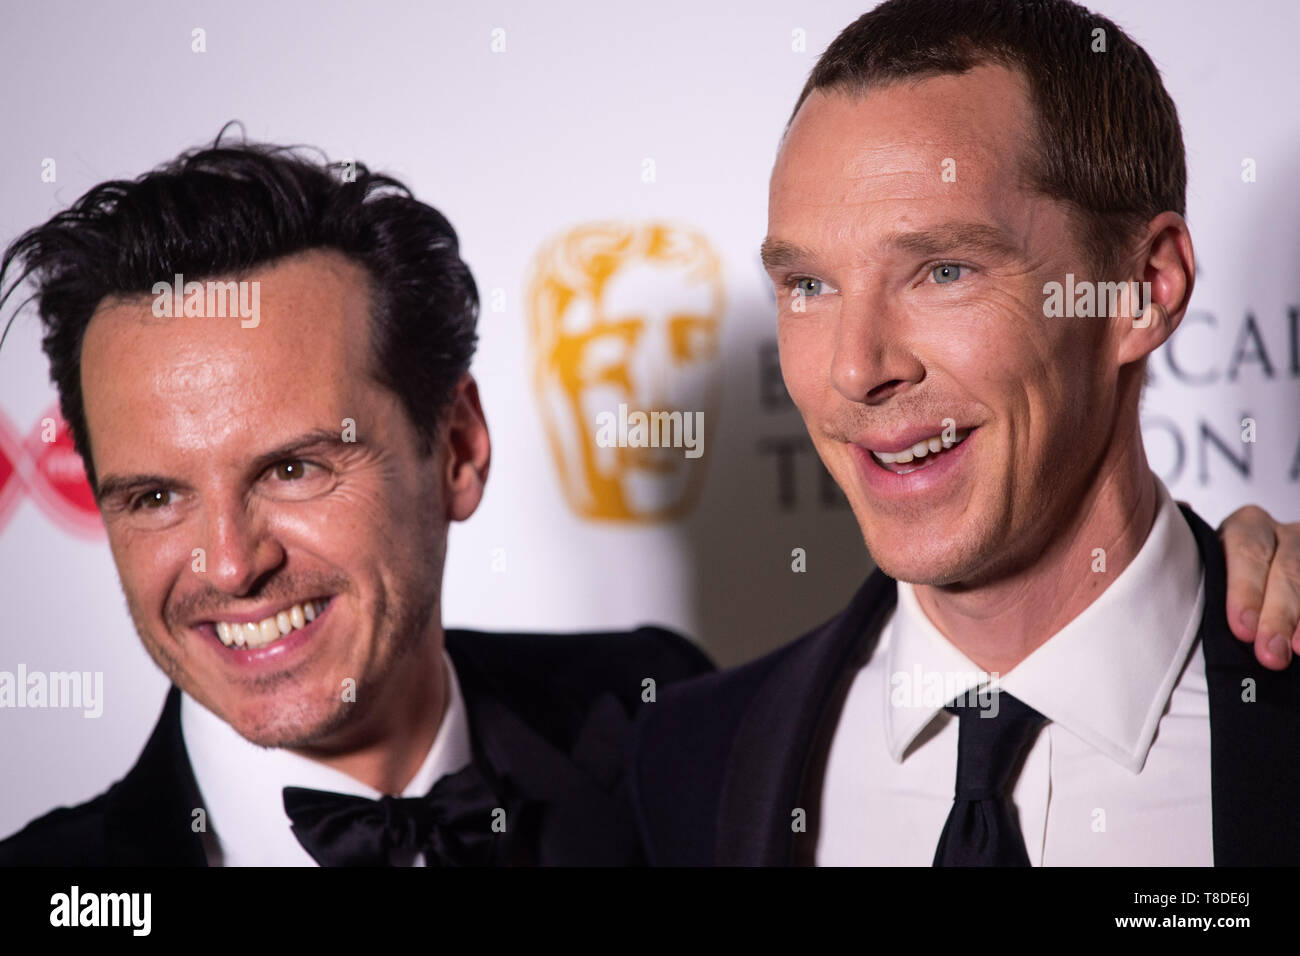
{"x": 451, "y": 826}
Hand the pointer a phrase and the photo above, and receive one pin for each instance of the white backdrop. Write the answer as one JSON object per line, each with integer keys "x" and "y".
{"x": 514, "y": 146}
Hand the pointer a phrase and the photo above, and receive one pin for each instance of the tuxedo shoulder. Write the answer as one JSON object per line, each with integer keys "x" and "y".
{"x": 577, "y": 668}
{"x": 679, "y": 754}
{"x": 144, "y": 818}
{"x": 66, "y": 836}
{"x": 699, "y": 716}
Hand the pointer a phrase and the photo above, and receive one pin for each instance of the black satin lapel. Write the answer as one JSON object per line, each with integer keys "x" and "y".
{"x": 148, "y": 816}
{"x": 771, "y": 751}
{"x": 1254, "y": 774}
{"x": 520, "y": 757}
{"x": 595, "y": 826}
{"x": 574, "y": 808}
{"x": 600, "y": 747}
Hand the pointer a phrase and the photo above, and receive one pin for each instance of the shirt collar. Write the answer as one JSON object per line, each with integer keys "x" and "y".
{"x": 242, "y": 783}
{"x": 1105, "y": 677}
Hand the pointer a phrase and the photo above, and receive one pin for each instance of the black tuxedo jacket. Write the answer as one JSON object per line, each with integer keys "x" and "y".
{"x": 720, "y": 762}
{"x": 549, "y": 717}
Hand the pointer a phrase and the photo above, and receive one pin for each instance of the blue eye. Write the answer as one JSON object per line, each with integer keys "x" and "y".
{"x": 946, "y": 272}
{"x": 808, "y": 286}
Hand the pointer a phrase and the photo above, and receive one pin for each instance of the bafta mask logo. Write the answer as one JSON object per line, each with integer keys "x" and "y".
{"x": 625, "y": 321}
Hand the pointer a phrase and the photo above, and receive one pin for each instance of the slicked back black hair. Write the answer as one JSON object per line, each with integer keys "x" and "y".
{"x": 229, "y": 207}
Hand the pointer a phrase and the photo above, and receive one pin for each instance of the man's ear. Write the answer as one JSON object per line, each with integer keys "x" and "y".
{"x": 1167, "y": 264}
{"x": 467, "y": 451}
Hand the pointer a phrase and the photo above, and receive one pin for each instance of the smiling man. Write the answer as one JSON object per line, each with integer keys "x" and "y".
{"x": 1042, "y": 671}
{"x": 277, "y": 490}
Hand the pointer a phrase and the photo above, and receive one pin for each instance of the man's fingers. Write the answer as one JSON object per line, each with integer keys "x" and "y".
{"x": 1248, "y": 545}
{"x": 1277, "y": 620}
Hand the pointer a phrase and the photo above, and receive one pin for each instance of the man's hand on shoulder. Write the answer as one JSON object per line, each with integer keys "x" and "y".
{"x": 1263, "y": 559}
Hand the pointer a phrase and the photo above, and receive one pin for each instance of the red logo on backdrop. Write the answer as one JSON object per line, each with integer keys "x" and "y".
{"x": 51, "y": 471}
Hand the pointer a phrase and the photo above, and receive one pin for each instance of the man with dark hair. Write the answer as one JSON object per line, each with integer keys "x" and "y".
{"x": 1048, "y": 628}
{"x": 264, "y": 364}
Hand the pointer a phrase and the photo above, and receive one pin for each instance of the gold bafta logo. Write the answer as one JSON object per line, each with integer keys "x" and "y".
{"x": 624, "y": 320}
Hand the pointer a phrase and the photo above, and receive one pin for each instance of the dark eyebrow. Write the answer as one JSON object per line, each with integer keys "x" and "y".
{"x": 948, "y": 236}
{"x": 779, "y": 254}
{"x": 126, "y": 485}
{"x": 318, "y": 439}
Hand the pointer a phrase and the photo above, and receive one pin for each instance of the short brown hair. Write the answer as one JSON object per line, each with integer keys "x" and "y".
{"x": 1109, "y": 141}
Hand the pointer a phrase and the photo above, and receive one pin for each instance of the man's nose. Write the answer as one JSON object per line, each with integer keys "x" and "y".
{"x": 241, "y": 547}
{"x": 872, "y": 361}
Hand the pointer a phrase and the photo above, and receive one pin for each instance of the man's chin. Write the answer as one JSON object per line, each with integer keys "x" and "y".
{"x": 287, "y": 723}
{"x": 931, "y": 562}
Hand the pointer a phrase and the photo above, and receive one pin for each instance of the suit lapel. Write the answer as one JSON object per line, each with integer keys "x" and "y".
{"x": 570, "y": 807}
{"x": 572, "y": 804}
{"x": 773, "y": 747}
{"x": 148, "y": 816}
{"x": 1254, "y": 773}
{"x": 1254, "y": 729}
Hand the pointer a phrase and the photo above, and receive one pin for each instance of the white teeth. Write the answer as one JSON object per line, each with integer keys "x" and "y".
{"x": 257, "y": 634}
{"x": 927, "y": 446}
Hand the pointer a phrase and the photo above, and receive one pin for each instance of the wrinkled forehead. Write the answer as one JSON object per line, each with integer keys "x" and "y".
{"x": 315, "y": 306}
{"x": 960, "y": 139}
{"x": 190, "y": 379}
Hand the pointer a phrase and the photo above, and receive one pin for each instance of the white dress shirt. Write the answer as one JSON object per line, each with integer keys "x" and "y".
{"x": 241, "y": 783}
{"x": 1119, "y": 776}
